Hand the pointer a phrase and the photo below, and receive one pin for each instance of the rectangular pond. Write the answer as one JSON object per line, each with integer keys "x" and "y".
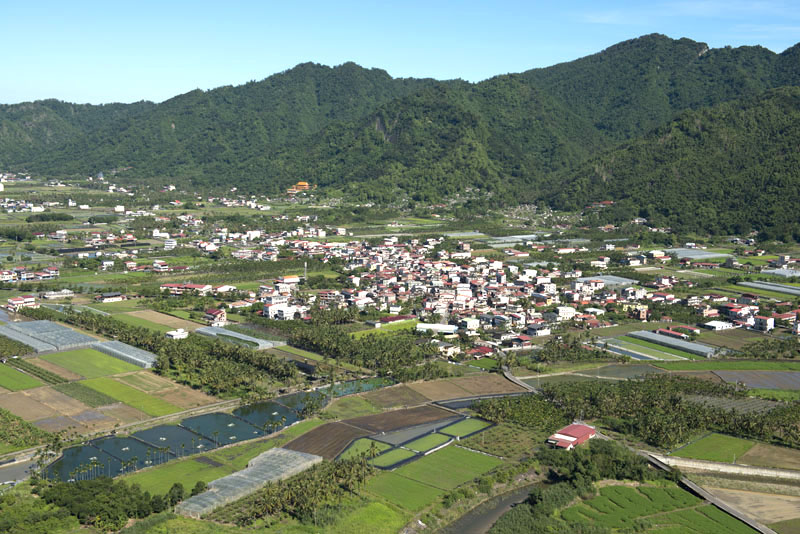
{"x": 222, "y": 428}
{"x": 178, "y": 439}
{"x": 83, "y": 463}
{"x": 267, "y": 413}
{"x": 133, "y": 453}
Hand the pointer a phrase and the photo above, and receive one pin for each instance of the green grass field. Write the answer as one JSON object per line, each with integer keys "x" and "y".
{"x": 132, "y": 397}
{"x": 14, "y": 380}
{"x": 426, "y": 443}
{"x": 791, "y": 526}
{"x": 788, "y": 395}
{"x": 449, "y": 467}
{"x": 668, "y": 510}
{"x": 660, "y": 348}
{"x": 760, "y": 292}
{"x": 363, "y": 445}
{"x": 391, "y": 457}
{"x": 626, "y": 328}
{"x": 349, "y": 407}
{"x": 116, "y": 307}
{"x": 84, "y": 394}
{"x": 313, "y": 356}
{"x": 403, "y": 492}
{"x": 725, "y": 365}
{"x": 89, "y": 363}
{"x": 144, "y": 323}
{"x": 388, "y": 328}
{"x": 715, "y": 448}
{"x": 641, "y": 349}
{"x": 465, "y": 427}
{"x": 485, "y": 363}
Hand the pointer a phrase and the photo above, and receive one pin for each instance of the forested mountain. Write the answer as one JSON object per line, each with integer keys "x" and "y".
{"x": 519, "y": 137}
{"x": 730, "y": 168}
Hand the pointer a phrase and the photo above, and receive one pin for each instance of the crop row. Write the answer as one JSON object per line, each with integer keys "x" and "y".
{"x": 42, "y": 374}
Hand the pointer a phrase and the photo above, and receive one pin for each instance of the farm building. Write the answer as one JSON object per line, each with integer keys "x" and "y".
{"x": 571, "y": 436}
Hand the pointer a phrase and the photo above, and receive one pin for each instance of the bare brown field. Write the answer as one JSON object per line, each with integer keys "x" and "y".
{"x": 762, "y": 455}
{"x": 63, "y": 404}
{"x": 166, "y": 320}
{"x": 4, "y": 390}
{"x": 95, "y": 421}
{"x": 395, "y": 396}
{"x": 765, "y": 507}
{"x": 23, "y": 406}
{"x": 123, "y": 413}
{"x": 440, "y": 390}
{"x": 386, "y": 422}
{"x": 57, "y": 424}
{"x": 53, "y": 368}
{"x": 328, "y": 440}
{"x": 487, "y": 384}
{"x": 185, "y": 397}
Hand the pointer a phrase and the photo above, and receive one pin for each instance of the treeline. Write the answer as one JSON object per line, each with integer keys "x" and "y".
{"x": 18, "y": 433}
{"x": 217, "y": 367}
{"x": 11, "y": 347}
{"x": 49, "y": 216}
{"x": 571, "y": 475}
{"x": 312, "y": 496}
{"x": 772, "y": 348}
{"x": 526, "y": 410}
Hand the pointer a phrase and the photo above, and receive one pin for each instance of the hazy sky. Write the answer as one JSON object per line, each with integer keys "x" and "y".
{"x": 124, "y": 51}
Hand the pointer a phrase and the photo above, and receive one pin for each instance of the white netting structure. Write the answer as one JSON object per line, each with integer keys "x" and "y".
{"x": 222, "y": 333}
{"x": 59, "y": 336}
{"x": 34, "y": 343}
{"x": 273, "y": 465}
{"x": 123, "y": 351}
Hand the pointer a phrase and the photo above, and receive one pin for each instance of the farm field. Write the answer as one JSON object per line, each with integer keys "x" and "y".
{"x": 397, "y": 419}
{"x": 764, "y": 455}
{"x": 162, "y": 319}
{"x": 14, "y": 380}
{"x": 347, "y": 407}
{"x": 403, "y": 492}
{"x": 790, "y": 526}
{"x": 89, "y": 363}
{"x": 735, "y": 338}
{"x": 134, "y": 320}
{"x": 728, "y": 365}
{"x": 623, "y": 329}
{"x": 132, "y": 397}
{"x": 439, "y": 390}
{"x": 506, "y": 440}
{"x": 115, "y": 307}
{"x": 765, "y": 507}
{"x": 659, "y": 348}
{"x": 755, "y": 291}
{"x": 53, "y": 368}
{"x": 668, "y": 509}
{"x": 328, "y": 440}
{"x": 449, "y": 468}
{"x": 312, "y": 356}
{"x": 715, "y": 448}
{"x": 426, "y": 443}
{"x": 395, "y": 396}
{"x": 387, "y": 329}
{"x": 486, "y": 384}
{"x": 392, "y": 457}
{"x": 85, "y": 395}
{"x": 465, "y": 427}
{"x": 485, "y": 363}
{"x": 778, "y": 380}
{"x": 363, "y": 445}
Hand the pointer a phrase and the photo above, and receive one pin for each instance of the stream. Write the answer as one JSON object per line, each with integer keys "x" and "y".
{"x": 481, "y": 518}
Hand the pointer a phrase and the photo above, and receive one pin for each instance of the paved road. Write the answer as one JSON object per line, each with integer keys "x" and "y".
{"x": 16, "y": 471}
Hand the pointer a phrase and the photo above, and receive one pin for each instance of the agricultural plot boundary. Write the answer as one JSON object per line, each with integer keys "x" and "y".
{"x": 221, "y": 333}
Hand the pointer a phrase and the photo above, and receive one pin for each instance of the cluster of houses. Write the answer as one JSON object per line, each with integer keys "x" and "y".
{"x": 22, "y": 274}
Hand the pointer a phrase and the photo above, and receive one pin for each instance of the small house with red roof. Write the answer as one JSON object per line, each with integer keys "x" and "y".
{"x": 571, "y": 436}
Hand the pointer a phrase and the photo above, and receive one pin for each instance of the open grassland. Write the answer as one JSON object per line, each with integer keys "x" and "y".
{"x": 387, "y": 328}
{"x": 362, "y": 446}
{"x": 660, "y": 348}
{"x": 485, "y": 363}
{"x": 134, "y": 320}
{"x": 727, "y": 365}
{"x": 347, "y": 407}
{"x": 426, "y": 443}
{"x": 449, "y": 467}
{"x": 392, "y": 457}
{"x": 763, "y": 455}
{"x": 86, "y": 395}
{"x": 735, "y": 338}
{"x": 658, "y": 510}
{"x": 403, "y": 492}
{"x": 89, "y": 363}
{"x": 116, "y": 307}
{"x": 313, "y": 356}
{"x": 465, "y": 427}
{"x": 715, "y": 448}
{"x": 14, "y": 380}
{"x": 132, "y": 397}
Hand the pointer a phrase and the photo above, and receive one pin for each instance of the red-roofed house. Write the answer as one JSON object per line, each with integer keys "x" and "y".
{"x": 571, "y": 436}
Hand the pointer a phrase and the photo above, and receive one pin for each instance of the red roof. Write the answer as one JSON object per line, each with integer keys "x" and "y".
{"x": 577, "y": 431}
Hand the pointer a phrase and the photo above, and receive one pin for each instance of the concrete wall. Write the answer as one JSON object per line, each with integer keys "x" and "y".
{"x": 734, "y": 469}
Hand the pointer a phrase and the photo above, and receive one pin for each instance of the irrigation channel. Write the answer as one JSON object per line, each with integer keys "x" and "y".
{"x": 114, "y": 455}
{"x": 481, "y": 518}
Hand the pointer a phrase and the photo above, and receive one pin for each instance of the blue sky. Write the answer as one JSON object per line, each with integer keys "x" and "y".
{"x": 124, "y": 51}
